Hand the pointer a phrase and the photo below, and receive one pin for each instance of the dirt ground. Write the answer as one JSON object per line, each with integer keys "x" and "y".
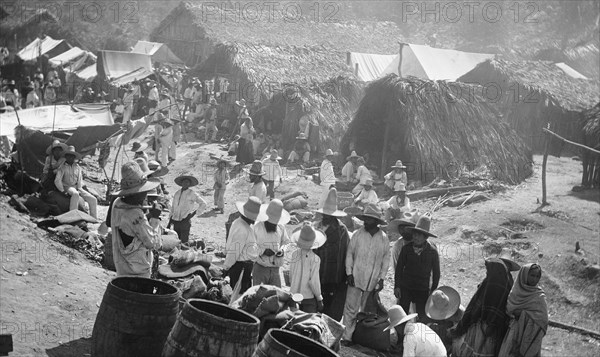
{"x": 50, "y": 310}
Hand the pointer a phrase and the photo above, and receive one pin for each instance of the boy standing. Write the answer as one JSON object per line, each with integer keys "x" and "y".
{"x": 221, "y": 181}
{"x": 272, "y": 172}
{"x": 304, "y": 268}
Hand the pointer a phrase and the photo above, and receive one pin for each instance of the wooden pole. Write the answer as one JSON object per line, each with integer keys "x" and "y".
{"x": 384, "y": 151}
{"x": 572, "y": 328}
{"x": 544, "y": 162}
{"x": 570, "y": 142}
{"x": 112, "y": 177}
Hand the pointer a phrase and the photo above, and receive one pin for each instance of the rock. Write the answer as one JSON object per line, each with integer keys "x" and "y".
{"x": 592, "y": 271}
{"x": 462, "y": 270}
{"x": 541, "y": 255}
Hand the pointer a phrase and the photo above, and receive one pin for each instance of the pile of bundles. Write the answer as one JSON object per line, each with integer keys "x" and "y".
{"x": 276, "y": 308}
{"x": 71, "y": 230}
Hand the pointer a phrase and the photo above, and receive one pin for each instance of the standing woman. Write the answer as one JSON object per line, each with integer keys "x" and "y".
{"x": 485, "y": 320}
{"x": 245, "y": 150}
{"x": 529, "y": 315}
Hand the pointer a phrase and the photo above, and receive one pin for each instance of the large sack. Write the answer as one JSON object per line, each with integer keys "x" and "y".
{"x": 63, "y": 202}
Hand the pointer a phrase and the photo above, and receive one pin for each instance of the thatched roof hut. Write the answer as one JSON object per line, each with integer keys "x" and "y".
{"x": 192, "y": 30}
{"x": 534, "y": 94}
{"x": 590, "y": 127}
{"x": 436, "y": 128}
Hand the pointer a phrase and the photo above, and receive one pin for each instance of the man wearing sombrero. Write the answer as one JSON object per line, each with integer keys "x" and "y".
{"x": 349, "y": 169}
{"x": 210, "y": 121}
{"x": 326, "y": 174}
{"x": 301, "y": 150}
{"x": 258, "y": 188}
{"x": 133, "y": 239}
{"x": 163, "y": 136}
{"x": 53, "y": 161}
{"x": 271, "y": 237}
{"x": 69, "y": 181}
{"x": 273, "y": 174}
{"x": 396, "y": 176}
{"x": 332, "y": 272}
{"x": 241, "y": 247}
{"x": 398, "y": 228}
{"x": 444, "y": 309}
{"x": 397, "y": 204}
{"x": 416, "y": 339}
{"x": 221, "y": 178}
{"x": 418, "y": 264}
{"x": 186, "y": 203}
{"x": 367, "y": 262}
{"x": 139, "y": 149}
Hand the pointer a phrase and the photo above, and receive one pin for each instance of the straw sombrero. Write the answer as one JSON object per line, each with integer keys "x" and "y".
{"x": 193, "y": 180}
{"x": 133, "y": 180}
{"x": 306, "y": 237}
{"x": 257, "y": 168}
{"x": 397, "y": 316}
{"x": 423, "y": 225}
{"x": 409, "y": 219}
{"x": 372, "y": 211}
{"x": 71, "y": 151}
{"x": 399, "y": 165}
{"x": 302, "y": 136}
{"x": 330, "y": 205}
{"x": 241, "y": 102}
{"x": 442, "y": 303}
{"x": 137, "y": 146}
{"x": 56, "y": 144}
{"x": 249, "y": 209}
{"x": 353, "y": 154}
{"x": 329, "y": 152}
{"x": 273, "y": 213}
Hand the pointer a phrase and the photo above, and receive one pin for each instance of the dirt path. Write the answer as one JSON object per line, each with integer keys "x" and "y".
{"x": 51, "y": 310}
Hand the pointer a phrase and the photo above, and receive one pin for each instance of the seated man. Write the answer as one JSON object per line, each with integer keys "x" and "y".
{"x": 69, "y": 180}
{"x": 301, "y": 150}
{"x": 367, "y": 195}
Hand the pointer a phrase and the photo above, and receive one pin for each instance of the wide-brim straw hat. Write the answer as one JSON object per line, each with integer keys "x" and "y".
{"x": 398, "y": 165}
{"x": 273, "y": 212}
{"x": 352, "y": 154}
{"x": 137, "y": 146}
{"x": 372, "y": 211}
{"x": 257, "y": 168}
{"x": 397, "y": 316}
{"x": 302, "y": 136}
{"x": 330, "y": 205}
{"x": 133, "y": 180}
{"x": 442, "y": 303}
{"x": 409, "y": 219}
{"x": 275, "y": 153}
{"x": 71, "y": 151}
{"x": 423, "y": 225}
{"x": 56, "y": 144}
{"x": 241, "y": 102}
{"x": 306, "y": 237}
{"x": 329, "y": 152}
{"x": 193, "y": 180}
{"x": 369, "y": 183}
{"x": 249, "y": 209}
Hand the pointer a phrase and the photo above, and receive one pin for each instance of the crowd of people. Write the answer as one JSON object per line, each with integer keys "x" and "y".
{"x": 336, "y": 270}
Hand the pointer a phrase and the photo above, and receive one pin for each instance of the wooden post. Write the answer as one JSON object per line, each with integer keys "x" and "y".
{"x": 544, "y": 162}
{"x": 384, "y": 151}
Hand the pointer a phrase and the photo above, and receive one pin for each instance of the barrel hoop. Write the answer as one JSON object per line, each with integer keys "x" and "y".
{"x": 206, "y": 327}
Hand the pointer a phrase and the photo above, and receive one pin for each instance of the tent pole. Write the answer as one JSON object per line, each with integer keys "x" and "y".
{"x": 20, "y": 139}
{"x": 384, "y": 149}
{"x": 113, "y": 171}
{"x": 544, "y": 162}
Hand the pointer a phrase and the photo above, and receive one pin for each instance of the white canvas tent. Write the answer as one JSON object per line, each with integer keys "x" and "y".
{"x": 46, "y": 120}
{"x": 86, "y": 74}
{"x": 158, "y": 51}
{"x": 437, "y": 64}
{"x": 40, "y": 47}
{"x": 73, "y": 59}
{"x": 369, "y": 67}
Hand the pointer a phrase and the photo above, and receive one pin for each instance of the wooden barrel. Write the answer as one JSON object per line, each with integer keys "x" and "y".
{"x": 135, "y": 318}
{"x": 211, "y": 329}
{"x": 283, "y": 343}
{"x": 108, "y": 261}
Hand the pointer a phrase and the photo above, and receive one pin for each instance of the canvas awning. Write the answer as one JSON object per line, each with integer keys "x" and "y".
{"x": 98, "y": 111}
{"x": 75, "y": 58}
{"x": 40, "y": 47}
{"x": 116, "y": 64}
{"x": 135, "y": 75}
{"x": 46, "y": 120}
{"x": 437, "y": 64}
{"x": 158, "y": 51}
{"x": 369, "y": 67}
{"x": 86, "y": 74}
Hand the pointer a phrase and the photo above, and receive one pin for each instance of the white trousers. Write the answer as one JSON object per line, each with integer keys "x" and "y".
{"x": 356, "y": 300}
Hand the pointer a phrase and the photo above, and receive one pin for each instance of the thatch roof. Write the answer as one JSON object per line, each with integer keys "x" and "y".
{"x": 435, "y": 127}
{"x": 224, "y": 27}
{"x": 536, "y": 81}
{"x": 301, "y": 65}
{"x": 20, "y": 20}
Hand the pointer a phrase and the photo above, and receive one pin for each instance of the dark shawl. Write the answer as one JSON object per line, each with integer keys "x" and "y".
{"x": 489, "y": 302}
{"x": 333, "y": 254}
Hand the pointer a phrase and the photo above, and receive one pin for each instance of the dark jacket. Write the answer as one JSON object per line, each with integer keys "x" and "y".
{"x": 414, "y": 271}
{"x": 333, "y": 254}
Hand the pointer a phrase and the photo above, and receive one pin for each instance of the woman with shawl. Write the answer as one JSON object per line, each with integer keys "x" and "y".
{"x": 245, "y": 153}
{"x": 529, "y": 315}
{"x": 485, "y": 321}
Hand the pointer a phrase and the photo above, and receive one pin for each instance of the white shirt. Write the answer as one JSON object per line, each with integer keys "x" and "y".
{"x": 274, "y": 241}
{"x": 304, "y": 273}
{"x": 259, "y": 190}
{"x": 368, "y": 258}
{"x": 420, "y": 340}
{"x": 326, "y": 173}
{"x": 184, "y": 203}
{"x": 363, "y": 174}
{"x": 241, "y": 245}
{"x": 272, "y": 169}
{"x": 68, "y": 176}
{"x": 153, "y": 94}
{"x": 187, "y": 93}
{"x": 348, "y": 171}
{"x": 368, "y": 197}
{"x": 393, "y": 203}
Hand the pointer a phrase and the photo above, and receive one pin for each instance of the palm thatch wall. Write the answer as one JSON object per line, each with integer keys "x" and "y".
{"x": 534, "y": 94}
{"x": 590, "y": 126}
{"x": 437, "y": 128}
